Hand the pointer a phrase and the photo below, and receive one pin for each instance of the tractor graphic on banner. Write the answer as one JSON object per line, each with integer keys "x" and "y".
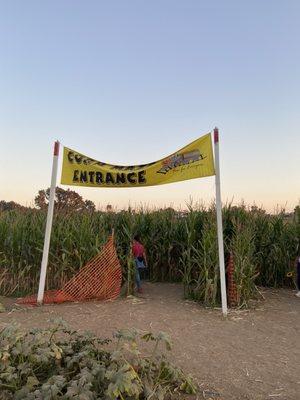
{"x": 180, "y": 159}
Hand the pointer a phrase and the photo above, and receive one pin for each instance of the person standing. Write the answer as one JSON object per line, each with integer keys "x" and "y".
{"x": 140, "y": 260}
{"x": 298, "y": 275}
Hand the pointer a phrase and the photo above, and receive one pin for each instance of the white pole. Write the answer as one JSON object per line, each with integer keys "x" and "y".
{"x": 40, "y": 296}
{"x": 219, "y": 224}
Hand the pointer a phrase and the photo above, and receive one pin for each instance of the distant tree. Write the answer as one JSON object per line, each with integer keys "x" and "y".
{"x": 257, "y": 210}
{"x": 10, "y": 205}
{"x": 170, "y": 210}
{"x": 89, "y": 205}
{"x": 65, "y": 200}
{"x": 109, "y": 208}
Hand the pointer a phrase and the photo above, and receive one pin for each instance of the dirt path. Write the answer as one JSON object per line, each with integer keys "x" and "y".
{"x": 251, "y": 355}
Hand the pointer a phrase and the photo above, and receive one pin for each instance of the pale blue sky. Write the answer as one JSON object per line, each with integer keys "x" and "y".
{"x": 131, "y": 81}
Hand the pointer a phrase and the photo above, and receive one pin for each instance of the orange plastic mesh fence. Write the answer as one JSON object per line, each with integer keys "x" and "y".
{"x": 232, "y": 293}
{"x": 100, "y": 279}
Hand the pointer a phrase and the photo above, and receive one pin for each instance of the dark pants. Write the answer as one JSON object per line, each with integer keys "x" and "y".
{"x": 139, "y": 265}
{"x": 298, "y": 275}
{"x": 137, "y": 278}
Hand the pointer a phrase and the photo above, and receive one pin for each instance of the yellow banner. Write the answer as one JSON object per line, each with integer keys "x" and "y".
{"x": 193, "y": 161}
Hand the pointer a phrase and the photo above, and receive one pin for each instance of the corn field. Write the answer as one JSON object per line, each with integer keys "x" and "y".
{"x": 180, "y": 247}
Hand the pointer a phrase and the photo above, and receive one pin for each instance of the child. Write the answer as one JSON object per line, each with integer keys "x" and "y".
{"x": 140, "y": 259}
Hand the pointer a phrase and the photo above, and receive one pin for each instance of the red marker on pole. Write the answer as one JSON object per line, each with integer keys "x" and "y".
{"x": 216, "y": 135}
{"x": 56, "y": 148}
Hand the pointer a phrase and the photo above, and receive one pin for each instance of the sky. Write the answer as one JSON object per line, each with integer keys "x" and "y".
{"x": 129, "y": 82}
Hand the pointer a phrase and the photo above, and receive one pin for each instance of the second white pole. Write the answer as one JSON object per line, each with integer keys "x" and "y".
{"x": 220, "y": 224}
{"x": 44, "y": 264}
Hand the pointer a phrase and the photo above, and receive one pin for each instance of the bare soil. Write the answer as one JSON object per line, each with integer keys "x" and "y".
{"x": 253, "y": 354}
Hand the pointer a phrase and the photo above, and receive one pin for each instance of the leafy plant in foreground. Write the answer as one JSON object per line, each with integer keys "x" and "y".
{"x": 59, "y": 363}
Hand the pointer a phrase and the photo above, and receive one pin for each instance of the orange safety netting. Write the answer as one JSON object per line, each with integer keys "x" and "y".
{"x": 99, "y": 279}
